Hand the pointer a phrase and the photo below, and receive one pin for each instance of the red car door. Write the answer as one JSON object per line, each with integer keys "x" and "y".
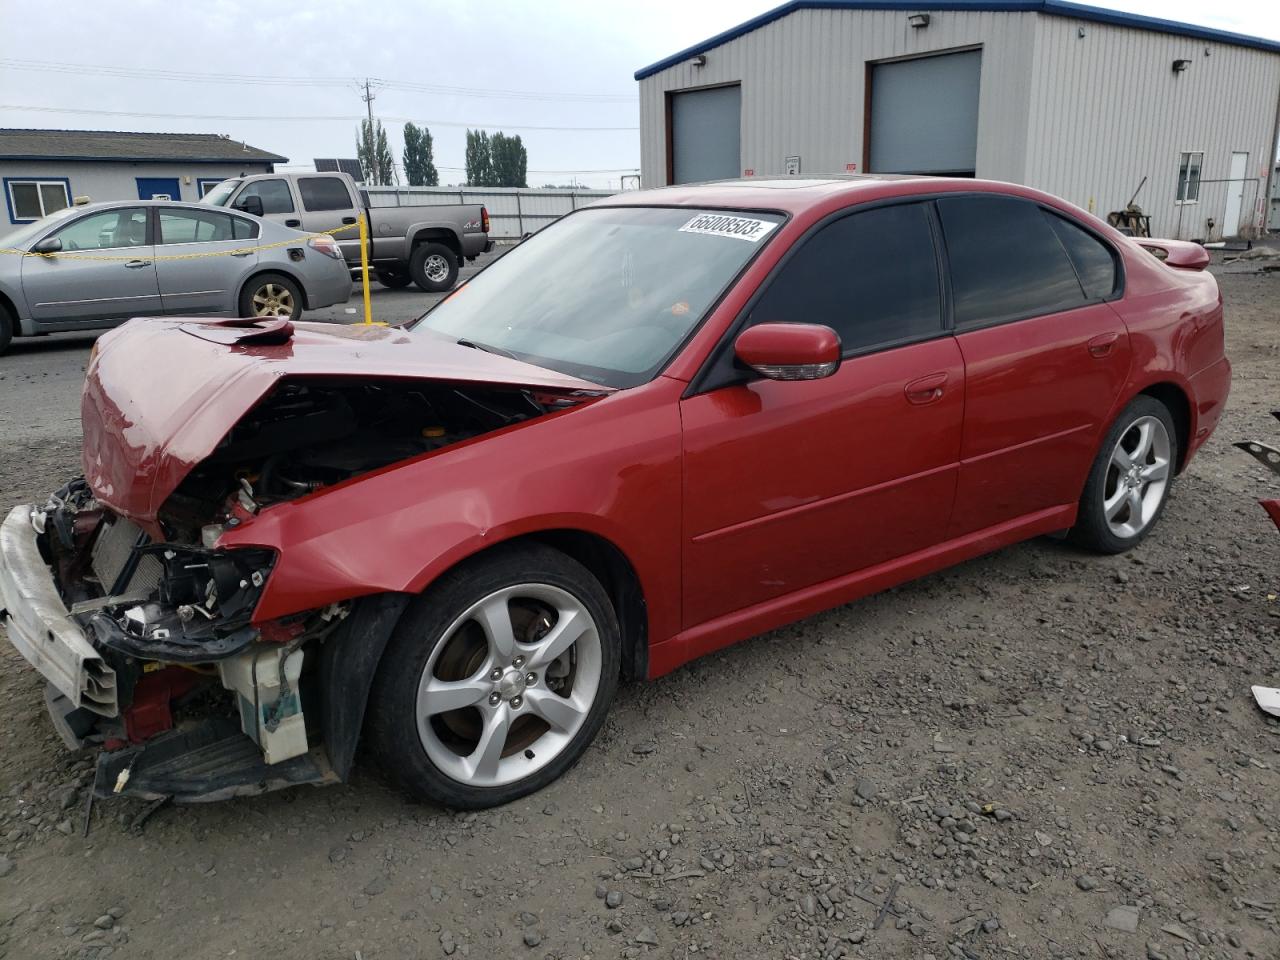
{"x": 789, "y": 484}
{"x": 1045, "y": 355}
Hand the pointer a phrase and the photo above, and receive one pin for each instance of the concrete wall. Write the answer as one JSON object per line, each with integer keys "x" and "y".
{"x": 1107, "y": 109}
{"x": 804, "y": 84}
{"x": 102, "y": 180}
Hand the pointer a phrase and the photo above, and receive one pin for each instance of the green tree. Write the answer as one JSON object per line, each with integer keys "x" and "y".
{"x": 419, "y": 165}
{"x": 375, "y": 154}
{"x": 509, "y": 160}
{"x": 479, "y": 162}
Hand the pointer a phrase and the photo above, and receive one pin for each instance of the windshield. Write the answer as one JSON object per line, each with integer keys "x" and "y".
{"x": 219, "y": 195}
{"x": 606, "y": 294}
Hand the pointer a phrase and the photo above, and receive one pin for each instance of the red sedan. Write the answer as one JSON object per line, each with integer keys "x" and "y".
{"x": 665, "y": 423}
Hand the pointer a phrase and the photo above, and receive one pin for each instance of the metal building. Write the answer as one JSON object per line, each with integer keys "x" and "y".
{"x": 1082, "y": 102}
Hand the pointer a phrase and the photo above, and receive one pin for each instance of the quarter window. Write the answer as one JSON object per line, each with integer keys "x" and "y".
{"x": 1189, "y": 165}
{"x": 203, "y": 226}
{"x": 1006, "y": 261}
{"x": 1095, "y": 264}
{"x": 274, "y": 194}
{"x": 33, "y": 199}
{"x": 324, "y": 193}
{"x": 107, "y": 230}
{"x": 872, "y": 277}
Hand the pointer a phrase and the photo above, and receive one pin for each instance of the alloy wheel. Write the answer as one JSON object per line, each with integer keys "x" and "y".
{"x": 509, "y": 685}
{"x": 273, "y": 300}
{"x": 1137, "y": 477}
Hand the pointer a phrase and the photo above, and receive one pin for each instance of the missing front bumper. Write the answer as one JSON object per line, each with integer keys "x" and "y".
{"x": 39, "y": 626}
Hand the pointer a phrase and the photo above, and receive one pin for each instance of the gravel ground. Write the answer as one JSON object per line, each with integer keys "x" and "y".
{"x": 1038, "y": 754}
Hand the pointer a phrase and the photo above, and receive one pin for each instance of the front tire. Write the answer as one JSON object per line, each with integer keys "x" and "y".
{"x": 497, "y": 679}
{"x": 6, "y": 329}
{"x": 1129, "y": 482}
{"x": 271, "y": 295}
{"x": 434, "y": 267}
{"x": 393, "y": 280}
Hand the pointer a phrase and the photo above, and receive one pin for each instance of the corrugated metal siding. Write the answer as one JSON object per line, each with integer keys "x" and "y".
{"x": 513, "y": 211}
{"x": 803, "y": 86}
{"x": 1107, "y": 110}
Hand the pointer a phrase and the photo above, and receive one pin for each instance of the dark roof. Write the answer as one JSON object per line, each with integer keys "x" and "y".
{"x": 1057, "y": 8}
{"x": 112, "y": 145}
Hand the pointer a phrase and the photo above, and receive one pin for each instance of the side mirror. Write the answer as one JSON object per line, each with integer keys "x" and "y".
{"x": 47, "y": 245}
{"x": 789, "y": 351}
{"x": 251, "y": 205}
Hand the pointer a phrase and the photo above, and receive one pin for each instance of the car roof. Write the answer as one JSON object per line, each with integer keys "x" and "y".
{"x": 796, "y": 194}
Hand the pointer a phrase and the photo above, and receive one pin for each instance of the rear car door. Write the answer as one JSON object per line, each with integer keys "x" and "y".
{"x": 327, "y": 205}
{"x": 1045, "y": 354}
{"x": 789, "y": 484}
{"x": 202, "y": 254}
{"x": 105, "y": 270}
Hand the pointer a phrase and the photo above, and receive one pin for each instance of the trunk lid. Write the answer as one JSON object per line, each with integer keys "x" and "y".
{"x": 159, "y": 395}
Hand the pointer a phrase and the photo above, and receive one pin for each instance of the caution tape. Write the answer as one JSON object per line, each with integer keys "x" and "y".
{"x": 238, "y": 251}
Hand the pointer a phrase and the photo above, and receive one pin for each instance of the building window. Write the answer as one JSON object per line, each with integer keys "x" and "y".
{"x": 32, "y": 199}
{"x": 1189, "y": 176}
{"x": 203, "y": 186}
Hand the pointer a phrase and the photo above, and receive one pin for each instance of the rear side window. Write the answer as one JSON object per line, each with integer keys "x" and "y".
{"x": 1095, "y": 265}
{"x": 202, "y": 226}
{"x": 274, "y": 194}
{"x": 1006, "y": 261}
{"x": 872, "y": 277}
{"x": 324, "y": 193}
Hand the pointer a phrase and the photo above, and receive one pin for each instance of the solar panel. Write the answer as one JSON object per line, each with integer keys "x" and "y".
{"x": 342, "y": 165}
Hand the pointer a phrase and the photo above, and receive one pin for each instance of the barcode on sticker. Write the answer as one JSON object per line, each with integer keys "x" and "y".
{"x": 722, "y": 225}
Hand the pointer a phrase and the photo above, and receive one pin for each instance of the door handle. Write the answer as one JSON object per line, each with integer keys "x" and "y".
{"x": 1101, "y": 345}
{"x": 926, "y": 389}
{"x": 348, "y": 220}
{"x": 242, "y": 253}
{"x": 293, "y": 222}
{"x": 137, "y": 264}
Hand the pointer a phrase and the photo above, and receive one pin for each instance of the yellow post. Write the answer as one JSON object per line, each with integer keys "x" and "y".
{"x": 364, "y": 267}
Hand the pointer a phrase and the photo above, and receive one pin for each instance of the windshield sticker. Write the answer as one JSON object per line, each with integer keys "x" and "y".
{"x": 721, "y": 225}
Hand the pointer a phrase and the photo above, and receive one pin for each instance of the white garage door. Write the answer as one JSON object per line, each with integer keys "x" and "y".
{"x": 924, "y": 114}
{"x": 706, "y": 134}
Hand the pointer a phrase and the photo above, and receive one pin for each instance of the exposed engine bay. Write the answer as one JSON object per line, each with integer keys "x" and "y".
{"x": 185, "y": 672}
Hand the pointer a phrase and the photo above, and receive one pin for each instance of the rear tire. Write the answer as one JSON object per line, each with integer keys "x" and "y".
{"x": 460, "y": 716}
{"x": 434, "y": 267}
{"x": 6, "y": 329}
{"x": 394, "y": 281}
{"x": 271, "y": 295}
{"x": 1129, "y": 482}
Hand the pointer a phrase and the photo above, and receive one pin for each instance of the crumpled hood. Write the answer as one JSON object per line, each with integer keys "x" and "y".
{"x": 161, "y": 394}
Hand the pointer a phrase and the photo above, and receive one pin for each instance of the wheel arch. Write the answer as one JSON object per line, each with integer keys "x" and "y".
{"x": 10, "y": 308}
{"x": 435, "y": 234}
{"x": 1175, "y": 399}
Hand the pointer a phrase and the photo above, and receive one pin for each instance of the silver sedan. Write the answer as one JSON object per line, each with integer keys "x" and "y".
{"x": 106, "y": 262}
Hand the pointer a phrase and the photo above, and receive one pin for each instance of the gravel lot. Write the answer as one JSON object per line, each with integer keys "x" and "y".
{"x": 1038, "y": 754}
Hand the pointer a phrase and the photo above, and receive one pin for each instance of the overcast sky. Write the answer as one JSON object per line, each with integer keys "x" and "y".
{"x": 553, "y": 64}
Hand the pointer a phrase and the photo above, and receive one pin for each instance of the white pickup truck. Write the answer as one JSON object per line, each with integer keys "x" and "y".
{"x": 420, "y": 244}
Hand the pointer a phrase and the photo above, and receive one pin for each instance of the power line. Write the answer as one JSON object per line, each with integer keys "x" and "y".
{"x": 294, "y": 117}
{"x": 183, "y": 76}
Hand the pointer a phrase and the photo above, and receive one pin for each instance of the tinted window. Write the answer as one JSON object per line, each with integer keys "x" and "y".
{"x": 103, "y": 231}
{"x": 872, "y": 277}
{"x": 1006, "y": 261}
{"x": 1095, "y": 266}
{"x": 201, "y": 226}
{"x": 274, "y": 194}
{"x": 324, "y": 193}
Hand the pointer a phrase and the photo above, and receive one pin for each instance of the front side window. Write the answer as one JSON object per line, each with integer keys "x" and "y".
{"x": 201, "y": 226}
{"x": 872, "y": 277}
{"x": 1006, "y": 261}
{"x": 107, "y": 230}
{"x": 1189, "y": 165}
{"x": 606, "y": 294}
{"x": 274, "y": 194}
{"x": 323, "y": 193}
{"x": 33, "y": 199}
{"x": 1094, "y": 262}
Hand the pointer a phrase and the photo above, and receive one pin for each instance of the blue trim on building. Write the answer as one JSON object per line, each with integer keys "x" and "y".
{"x": 1057, "y": 8}
{"x": 8, "y": 200}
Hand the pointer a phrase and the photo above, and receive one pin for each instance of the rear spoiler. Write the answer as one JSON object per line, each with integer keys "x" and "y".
{"x": 1176, "y": 253}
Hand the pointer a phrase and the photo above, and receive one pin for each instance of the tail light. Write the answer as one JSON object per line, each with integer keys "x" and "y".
{"x": 484, "y": 219}
{"x": 326, "y": 245}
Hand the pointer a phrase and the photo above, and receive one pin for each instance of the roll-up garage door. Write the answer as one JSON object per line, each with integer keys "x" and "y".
{"x": 705, "y": 134}
{"x": 924, "y": 114}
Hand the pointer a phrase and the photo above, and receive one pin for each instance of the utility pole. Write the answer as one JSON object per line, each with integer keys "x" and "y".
{"x": 368, "y": 97}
